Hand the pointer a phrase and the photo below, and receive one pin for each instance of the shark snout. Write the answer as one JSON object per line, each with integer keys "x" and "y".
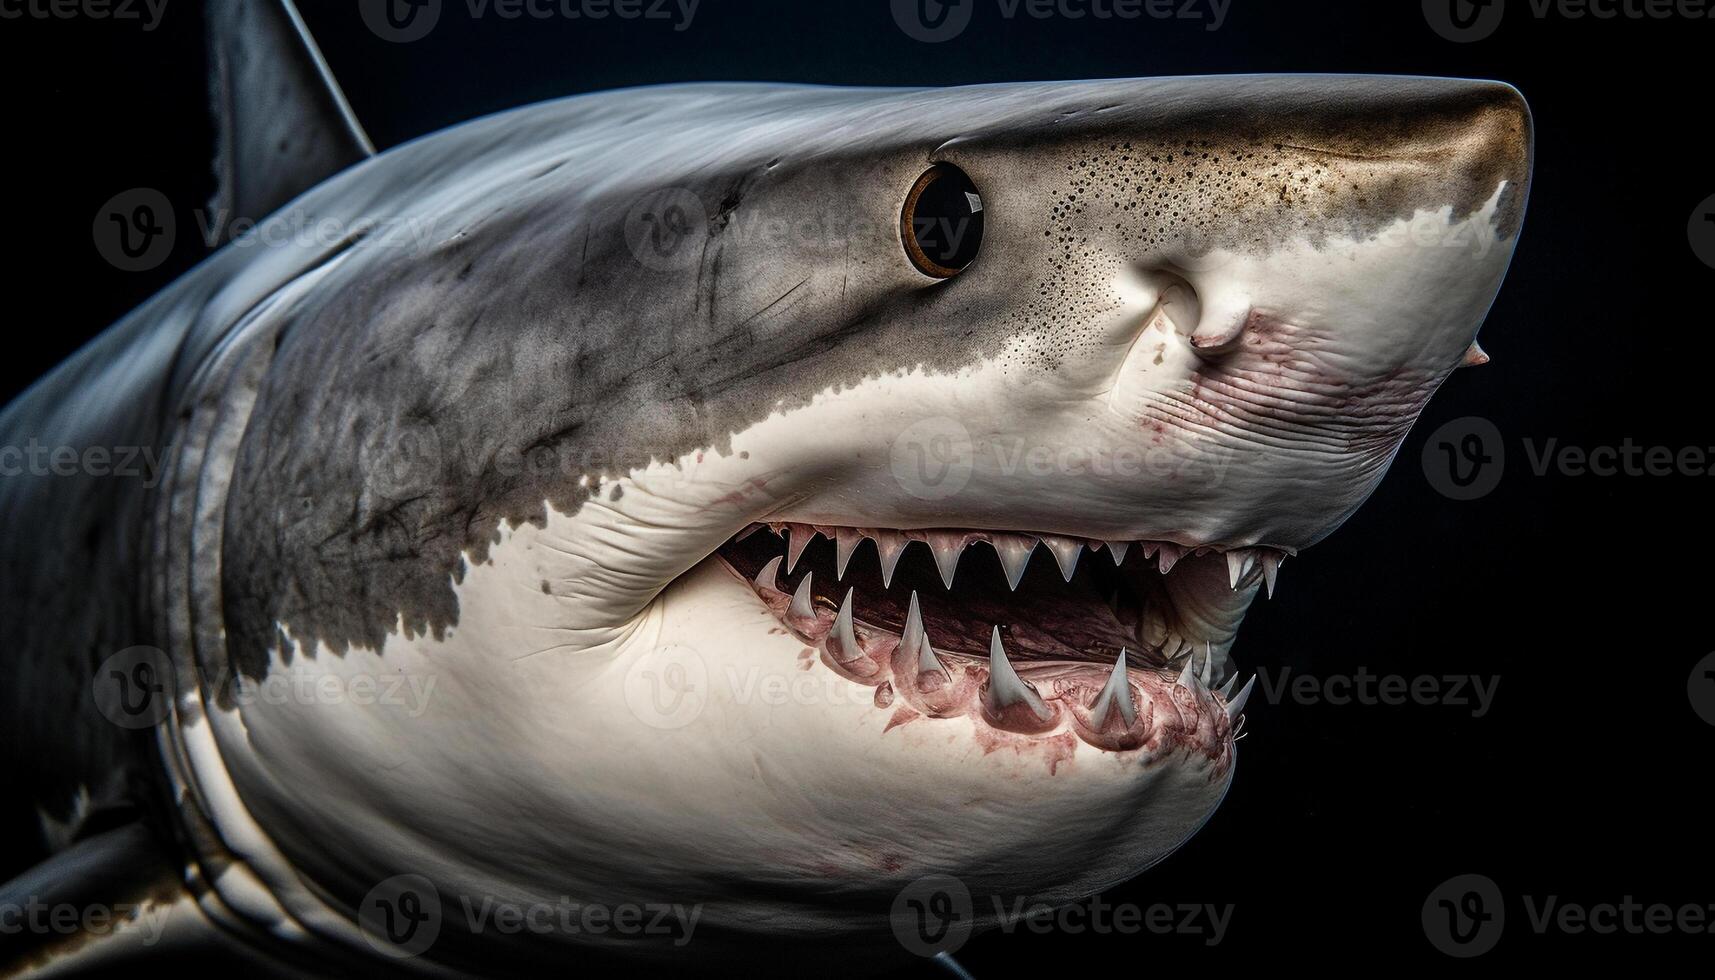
{"x": 1300, "y": 348}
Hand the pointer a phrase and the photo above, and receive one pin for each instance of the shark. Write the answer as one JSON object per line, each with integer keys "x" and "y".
{"x": 674, "y": 524}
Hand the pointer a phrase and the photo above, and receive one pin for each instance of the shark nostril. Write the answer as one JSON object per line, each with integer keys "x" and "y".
{"x": 1211, "y": 317}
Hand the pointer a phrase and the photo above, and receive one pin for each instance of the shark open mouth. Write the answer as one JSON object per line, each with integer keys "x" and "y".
{"x": 1033, "y": 634}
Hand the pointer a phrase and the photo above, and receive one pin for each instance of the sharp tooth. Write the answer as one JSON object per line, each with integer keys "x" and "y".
{"x": 1188, "y": 676}
{"x": 1227, "y": 688}
{"x": 1150, "y": 548}
{"x": 802, "y": 607}
{"x": 1270, "y": 568}
{"x": 1240, "y": 561}
{"x": 1014, "y": 552}
{"x": 1208, "y": 663}
{"x": 947, "y": 549}
{"x": 1116, "y": 694}
{"x": 1118, "y": 549}
{"x": 890, "y": 545}
{"x": 1170, "y": 555}
{"x": 842, "y": 642}
{"x": 798, "y": 538}
{"x": 1006, "y": 688}
{"x": 747, "y": 532}
{"x": 915, "y": 641}
{"x": 1237, "y": 705}
{"x": 1066, "y": 552}
{"x": 769, "y": 575}
{"x": 1475, "y": 356}
{"x": 846, "y": 540}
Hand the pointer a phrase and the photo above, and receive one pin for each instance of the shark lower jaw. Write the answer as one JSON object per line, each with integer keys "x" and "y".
{"x": 1121, "y": 645}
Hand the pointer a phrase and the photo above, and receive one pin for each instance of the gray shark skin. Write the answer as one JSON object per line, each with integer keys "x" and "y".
{"x": 489, "y": 426}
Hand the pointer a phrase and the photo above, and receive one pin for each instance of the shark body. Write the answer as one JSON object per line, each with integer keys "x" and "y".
{"x": 612, "y": 502}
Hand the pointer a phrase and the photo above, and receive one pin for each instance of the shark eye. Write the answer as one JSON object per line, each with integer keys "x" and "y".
{"x": 942, "y": 224}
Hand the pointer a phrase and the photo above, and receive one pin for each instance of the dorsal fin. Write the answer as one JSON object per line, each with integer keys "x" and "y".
{"x": 283, "y": 124}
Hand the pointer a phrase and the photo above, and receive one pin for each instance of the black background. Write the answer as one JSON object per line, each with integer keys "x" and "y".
{"x": 1582, "y": 595}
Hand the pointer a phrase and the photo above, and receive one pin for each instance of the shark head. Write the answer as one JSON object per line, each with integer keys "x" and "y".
{"x": 778, "y": 495}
